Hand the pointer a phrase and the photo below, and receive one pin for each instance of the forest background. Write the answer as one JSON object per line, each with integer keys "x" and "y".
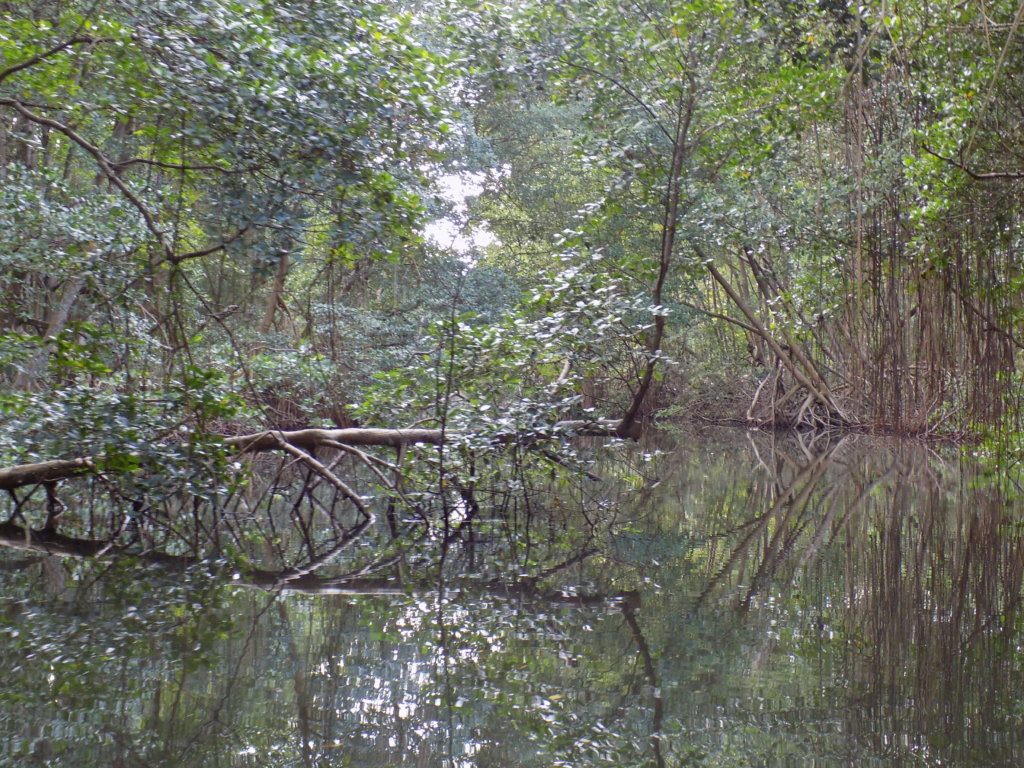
{"x": 784, "y": 214}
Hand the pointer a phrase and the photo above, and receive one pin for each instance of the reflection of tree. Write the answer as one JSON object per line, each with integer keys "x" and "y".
{"x": 853, "y": 603}
{"x": 188, "y": 707}
{"x": 651, "y": 675}
{"x": 786, "y": 513}
{"x": 942, "y": 597}
{"x": 332, "y": 680}
{"x": 888, "y": 577}
{"x": 301, "y": 688}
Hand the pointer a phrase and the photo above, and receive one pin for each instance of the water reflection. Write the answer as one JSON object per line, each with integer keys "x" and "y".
{"x": 757, "y": 601}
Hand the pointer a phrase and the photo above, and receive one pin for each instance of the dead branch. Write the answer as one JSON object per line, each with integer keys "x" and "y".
{"x": 324, "y": 472}
{"x": 300, "y": 443}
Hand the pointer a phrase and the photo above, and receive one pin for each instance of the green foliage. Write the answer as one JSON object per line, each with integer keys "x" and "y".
{"x": 159, "y": 440}
{"x": 136, "y": 132}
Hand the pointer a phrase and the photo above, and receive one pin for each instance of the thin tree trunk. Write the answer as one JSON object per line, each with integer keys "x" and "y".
{"x": 57, "y": 319}
{"x": 627, "y": 426}
{"x": 275, "y": 297}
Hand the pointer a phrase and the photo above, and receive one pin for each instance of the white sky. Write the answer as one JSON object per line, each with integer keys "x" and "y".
{"x": 452, "y": 233}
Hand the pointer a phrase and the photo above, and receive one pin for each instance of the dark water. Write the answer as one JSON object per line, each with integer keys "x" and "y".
{"x": 753, "y": 602}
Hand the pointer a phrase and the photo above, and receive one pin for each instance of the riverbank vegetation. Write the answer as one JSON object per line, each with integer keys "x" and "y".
{"x": 212, "y": 216}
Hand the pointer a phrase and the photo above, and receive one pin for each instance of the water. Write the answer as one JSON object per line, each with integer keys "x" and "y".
{"x": 753, "y": 602}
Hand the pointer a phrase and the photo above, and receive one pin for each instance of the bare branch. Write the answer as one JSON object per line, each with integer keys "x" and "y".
{"x": 324, "y": 472}
{"x": 633, "y": 96}
{"x": 978, "y": 175}
{"x": 367, "y": 459}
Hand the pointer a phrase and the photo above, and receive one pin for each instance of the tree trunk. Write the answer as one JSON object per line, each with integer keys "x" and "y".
{"x": 628, "y": 425}
{"x": 56, "y": 320}
{"x": 275, "y": 297}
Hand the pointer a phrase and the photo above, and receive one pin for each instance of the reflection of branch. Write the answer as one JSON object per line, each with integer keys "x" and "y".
{"x": 52, "y": 543}
{"x": 577, "y": 558}
{"x": 786, "y": 534}
{"x": 861, "y": 497}
{"x": 790, "y": 497}
{"x": 291, "y": 580}
{"x": 320, "y": 561}
{"x": 556, "y": 459}
{"x": 651, "y": 673}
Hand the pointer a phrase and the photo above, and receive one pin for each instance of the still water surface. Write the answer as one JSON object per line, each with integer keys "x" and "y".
{"x": 757, "y": 602}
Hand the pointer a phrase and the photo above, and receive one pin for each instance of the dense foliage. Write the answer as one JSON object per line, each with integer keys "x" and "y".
{"x": 790, "y": 214}
{"x": 239, "y": 187}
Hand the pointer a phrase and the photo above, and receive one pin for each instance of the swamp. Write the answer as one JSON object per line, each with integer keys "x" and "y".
{"x": 470, "y": 383}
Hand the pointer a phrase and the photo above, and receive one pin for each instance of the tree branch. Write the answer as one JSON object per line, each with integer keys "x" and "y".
{"x": 978, "y": 175}
{"x": 111, "y": 170}
{"x": 14, "y": 68}
{"x": 102, "y": 161}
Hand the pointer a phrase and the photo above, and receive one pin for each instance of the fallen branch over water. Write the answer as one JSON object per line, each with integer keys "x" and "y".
{"x": 305, "y": 440}
{"x": 308, "y": 439}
